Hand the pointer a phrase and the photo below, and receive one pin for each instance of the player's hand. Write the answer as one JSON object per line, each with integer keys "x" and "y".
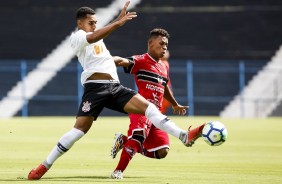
{"x": 180, "y": 109}
{"x": 125, "y": 16}
{"x": 123, "y": 11}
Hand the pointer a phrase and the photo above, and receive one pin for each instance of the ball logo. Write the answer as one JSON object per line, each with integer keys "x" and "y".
{"x": 86, "y": 106}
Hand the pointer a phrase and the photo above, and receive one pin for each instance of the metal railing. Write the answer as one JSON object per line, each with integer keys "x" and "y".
{"x": 195, "y": 87}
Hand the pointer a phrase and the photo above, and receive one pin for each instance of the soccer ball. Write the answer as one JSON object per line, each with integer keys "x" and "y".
{"x": 214, "y": 133}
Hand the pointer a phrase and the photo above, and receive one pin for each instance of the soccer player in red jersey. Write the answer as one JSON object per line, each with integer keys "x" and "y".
{"x": 151, "y": 77}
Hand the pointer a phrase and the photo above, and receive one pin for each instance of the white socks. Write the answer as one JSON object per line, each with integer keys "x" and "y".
{"x": 162, "y": 122}
{"x": 64, "y": 144}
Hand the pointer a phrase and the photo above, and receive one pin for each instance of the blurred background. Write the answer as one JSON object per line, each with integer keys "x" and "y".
{"x": 225, "y": 56}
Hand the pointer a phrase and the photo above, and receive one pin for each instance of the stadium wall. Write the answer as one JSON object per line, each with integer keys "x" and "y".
{"x": 203, "y": 31}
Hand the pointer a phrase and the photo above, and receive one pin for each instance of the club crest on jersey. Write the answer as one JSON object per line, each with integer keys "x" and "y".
{"x": 160, "y": 80}
{"x": 86, "y": 106}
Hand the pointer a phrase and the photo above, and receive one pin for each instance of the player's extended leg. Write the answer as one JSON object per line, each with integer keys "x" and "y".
{"x": 130, "y": 148}
{"x": 81, "y": 127}
{"x": 139, "y": 105}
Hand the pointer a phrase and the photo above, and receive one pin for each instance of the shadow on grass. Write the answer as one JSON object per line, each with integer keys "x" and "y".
{"x": 69, "y": 179}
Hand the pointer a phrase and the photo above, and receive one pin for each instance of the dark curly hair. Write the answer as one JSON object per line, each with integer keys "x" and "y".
{"x": 83, "y": 11}
{"x": 157, "y": 32}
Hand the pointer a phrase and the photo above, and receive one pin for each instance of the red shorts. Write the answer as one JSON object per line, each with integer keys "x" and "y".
{"x": 155, "y": 138}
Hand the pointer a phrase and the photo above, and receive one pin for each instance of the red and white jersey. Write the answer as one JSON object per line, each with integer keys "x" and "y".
{"x": 151, "y": 77}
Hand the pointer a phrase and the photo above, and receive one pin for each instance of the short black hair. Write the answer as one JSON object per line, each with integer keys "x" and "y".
{"x": 83, "y": 11}
{"x": 157, "y": 32}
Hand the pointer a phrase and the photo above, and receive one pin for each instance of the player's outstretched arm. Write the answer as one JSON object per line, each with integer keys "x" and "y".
{"x": 120, "y": 61}
{"x": 108, "y": 29}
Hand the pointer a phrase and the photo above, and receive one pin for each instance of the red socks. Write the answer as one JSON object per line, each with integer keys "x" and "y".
{"x": 130, "y": 148}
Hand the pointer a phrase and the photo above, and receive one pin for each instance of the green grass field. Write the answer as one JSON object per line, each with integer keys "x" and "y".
{"x": 251, "y": 155}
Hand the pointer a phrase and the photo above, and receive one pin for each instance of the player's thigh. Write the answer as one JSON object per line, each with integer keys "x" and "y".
{"x": 136, "y": 105}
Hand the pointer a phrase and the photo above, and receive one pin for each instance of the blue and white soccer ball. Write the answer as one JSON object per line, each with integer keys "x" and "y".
{"x": 214, "y": 133}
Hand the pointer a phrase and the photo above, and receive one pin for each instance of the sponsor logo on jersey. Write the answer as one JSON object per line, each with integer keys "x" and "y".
{"x": 154, "y": 88}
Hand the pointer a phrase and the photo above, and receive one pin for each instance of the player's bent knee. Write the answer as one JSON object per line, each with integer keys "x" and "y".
{"x": 83, "y": 123}
{"x": 138, "y": 137}
{"x": 162, "y": 153}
